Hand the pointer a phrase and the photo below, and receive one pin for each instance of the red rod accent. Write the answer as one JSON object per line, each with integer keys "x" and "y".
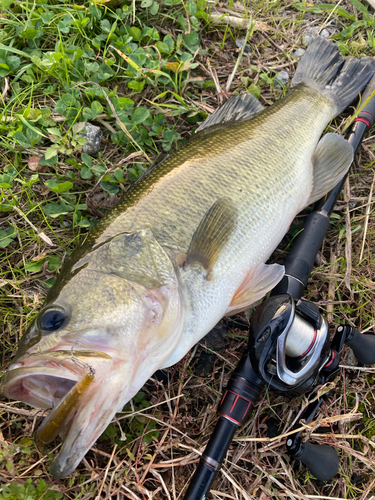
{"x": 364, "y": 121}
{"x": 230, "y": 418}
{"x": 234, "y": 404}
{"x": 247, "y": 409}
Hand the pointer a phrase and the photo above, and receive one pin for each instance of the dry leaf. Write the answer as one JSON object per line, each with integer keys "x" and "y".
{"x": 34, "y": 165}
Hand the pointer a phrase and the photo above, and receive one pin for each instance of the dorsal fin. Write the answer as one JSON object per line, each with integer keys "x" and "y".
{"x": 238, "y": 108}
{"x": 212, "y": 234}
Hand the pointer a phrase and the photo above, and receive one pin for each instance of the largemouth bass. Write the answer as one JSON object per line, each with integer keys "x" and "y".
{"x": 186, "y": 245}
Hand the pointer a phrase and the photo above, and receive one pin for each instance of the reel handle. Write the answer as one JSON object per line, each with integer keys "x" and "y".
{"x": 363, "y": 345}
{"x": 321, "y": 460}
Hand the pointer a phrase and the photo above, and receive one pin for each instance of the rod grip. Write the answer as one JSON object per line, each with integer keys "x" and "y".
{"x": 363, "y": 346}
{"x": 321, "y": 460}
{"x": 211, "y": 460}
{"x": 236, "y": 406}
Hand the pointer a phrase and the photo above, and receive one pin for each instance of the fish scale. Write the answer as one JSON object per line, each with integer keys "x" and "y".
{"x": 187, "y": 244}
{"x": 210, "y": 167}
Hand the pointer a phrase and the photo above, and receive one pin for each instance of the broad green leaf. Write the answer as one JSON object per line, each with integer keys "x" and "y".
{"x": 7, "y": 236}
{"x": 22, "y": 139}
{"x": 57, "y": 187}
{"x": 88, "y": 114}
{"x": 63, "y": 27}
{"x": 50, "y": 153}
{"x": 46, "y": 17}
{"x": 105, "y": 25}
{"x": 84, "y": 223}
{"x": 169, "y": 41}
{"x": 137, "y": 85}
{"x": 154, "y": 8}
{"x": 53, "y": 263}
{"x": 60, "y": 107}
{"x": 86, "y": 173}
{"x": 29, "y": 33}
{"x": 13, "y": 62}
{"x": 163, "y": 47}
{"x": 5, "y": 181}
{"x": 55, "y": 210}
{"x": 136, "y": 33}
{"x": 78, "y": 127}
{"x": 96, "y": 107}
{"x": 125, "y": 102}
{"x": 34, "y": 267}
{"x": 54, "y": 131}
{"x": 86, "y": 159}
{"x": 140, "y": 115}
{"x": 192, "y": 41}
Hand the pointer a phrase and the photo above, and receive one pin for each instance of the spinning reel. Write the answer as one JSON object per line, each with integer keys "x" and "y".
{"x": 290, "y": 347}
{"x": 289, "y": 351}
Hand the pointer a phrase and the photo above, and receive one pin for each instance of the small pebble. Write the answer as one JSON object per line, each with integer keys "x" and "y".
{"x": 94, "y": 138}
{"x": 310, "y": 33}
{"x": 299, "y": 53}
{"x": 281, "y": 79}
{"x": 240, "y": 42}
{"x": 350, "y": 359}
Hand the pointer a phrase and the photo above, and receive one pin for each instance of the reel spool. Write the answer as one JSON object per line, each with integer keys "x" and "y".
{"x": 289, "y": 343}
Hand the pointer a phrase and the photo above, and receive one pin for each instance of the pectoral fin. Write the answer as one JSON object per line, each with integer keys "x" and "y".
{"x": 257, "y": 283}
{"x": 212, "y": 234}
{"x": 332, "y": 159}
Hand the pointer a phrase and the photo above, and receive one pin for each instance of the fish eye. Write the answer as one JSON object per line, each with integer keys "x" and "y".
{"x": 52, "y": 319}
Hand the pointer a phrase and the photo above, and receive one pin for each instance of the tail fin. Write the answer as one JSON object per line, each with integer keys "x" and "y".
{"x": 339, "y": 79}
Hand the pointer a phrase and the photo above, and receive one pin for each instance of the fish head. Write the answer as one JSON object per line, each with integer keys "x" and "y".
{"x": 93, "y": 345}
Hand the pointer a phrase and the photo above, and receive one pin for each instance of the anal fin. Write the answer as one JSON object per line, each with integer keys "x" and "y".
{"x": 332, "y": 159}
{"x": 256, "y": 284}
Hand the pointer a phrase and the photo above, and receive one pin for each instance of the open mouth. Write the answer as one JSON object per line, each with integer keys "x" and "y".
{"x": 57, "y": 380}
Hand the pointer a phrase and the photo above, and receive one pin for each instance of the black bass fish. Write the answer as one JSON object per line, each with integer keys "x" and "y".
{"x": 186, "y": 245}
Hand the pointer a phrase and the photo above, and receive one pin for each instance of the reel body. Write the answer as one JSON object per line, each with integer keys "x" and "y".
{"x": 289, "y": 344}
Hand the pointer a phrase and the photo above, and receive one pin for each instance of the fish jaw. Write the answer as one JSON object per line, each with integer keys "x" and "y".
{"x": 44, "y": 383}
{"x": 93, "y": 384}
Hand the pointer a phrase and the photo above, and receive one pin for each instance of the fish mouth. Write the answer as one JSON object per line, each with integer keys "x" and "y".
{"x": 43, "y": 380}
{"x": 61, "y": 382}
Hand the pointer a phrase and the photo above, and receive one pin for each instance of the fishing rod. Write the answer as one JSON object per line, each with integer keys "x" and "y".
{"x": 289, "y": 347}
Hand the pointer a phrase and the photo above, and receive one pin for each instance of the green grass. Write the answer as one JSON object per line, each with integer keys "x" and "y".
{"x": 139, "y": 71}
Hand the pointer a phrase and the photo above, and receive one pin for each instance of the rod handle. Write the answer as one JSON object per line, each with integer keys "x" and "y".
{"x": 363, "y": 346}
{"x": 211, "y": 460}
{"x": 321, "y": 460}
